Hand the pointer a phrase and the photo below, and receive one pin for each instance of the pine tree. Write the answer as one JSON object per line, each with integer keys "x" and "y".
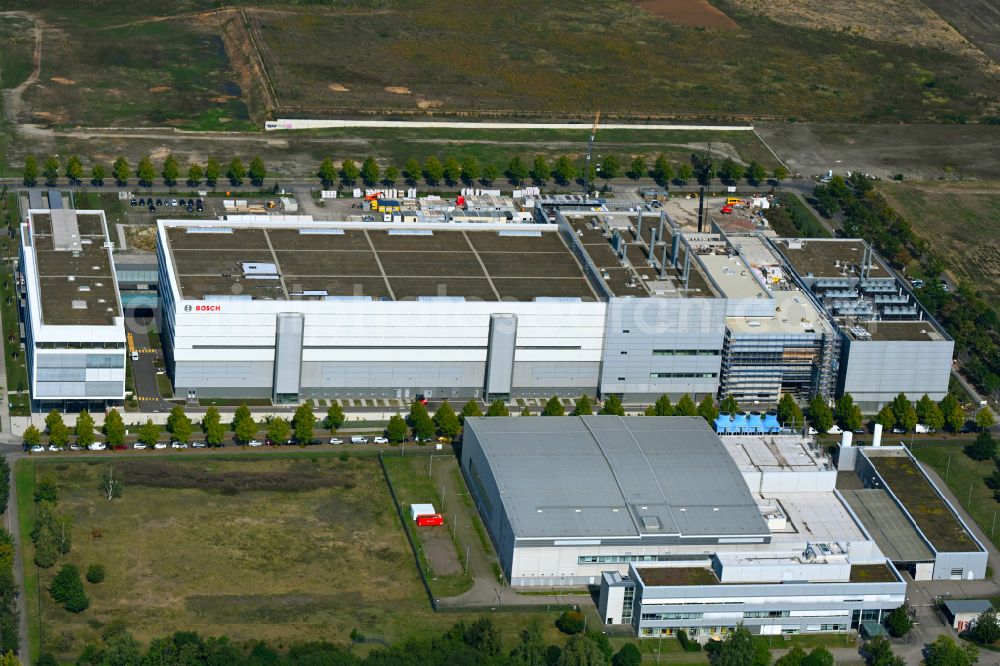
{"x": 470, "y": 408}
{"x": 446, "y": 421}
{"x": 685, "y": 407}
{"x": 583, "y": 407}
{"x": 554, "y": 407}
{"x": 613, "y": 406}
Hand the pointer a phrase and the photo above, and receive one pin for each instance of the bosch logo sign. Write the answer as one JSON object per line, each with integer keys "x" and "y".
{"x": 203, "y": 308}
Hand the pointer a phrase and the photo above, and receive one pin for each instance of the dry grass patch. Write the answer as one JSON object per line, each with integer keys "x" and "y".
{"x": 689, "y": 13}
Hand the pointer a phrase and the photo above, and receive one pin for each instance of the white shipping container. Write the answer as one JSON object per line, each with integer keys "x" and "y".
{"x": 328, "y": 194}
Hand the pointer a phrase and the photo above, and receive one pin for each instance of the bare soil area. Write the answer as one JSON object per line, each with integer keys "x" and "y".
{"x": 689, "y": 13}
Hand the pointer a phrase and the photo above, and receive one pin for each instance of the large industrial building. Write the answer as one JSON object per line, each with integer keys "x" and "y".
{"x": 73, "y": 323}
{"x": 679, "y": 528}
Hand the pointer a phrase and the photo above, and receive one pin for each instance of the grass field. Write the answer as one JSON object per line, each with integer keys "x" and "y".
{"x": 961, "y": 220}
{"x": 963, "y": 474}
{"x": 18, "y": 45}
{"x": 280, "y": 547}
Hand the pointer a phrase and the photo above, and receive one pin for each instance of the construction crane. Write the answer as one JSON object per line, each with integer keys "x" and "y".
{"x": 590, "y": 151}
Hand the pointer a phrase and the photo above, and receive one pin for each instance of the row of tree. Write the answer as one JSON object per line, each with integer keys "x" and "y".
{"x": 901, "y": 413}
{"x": 145, "y": 171}
{"x": 478, "y": 642}
{"x": 9, "y": 635}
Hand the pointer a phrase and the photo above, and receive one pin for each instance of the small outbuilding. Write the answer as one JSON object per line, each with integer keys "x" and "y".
{"x": 421, "y": 510}
{"x": 962, "y": 613}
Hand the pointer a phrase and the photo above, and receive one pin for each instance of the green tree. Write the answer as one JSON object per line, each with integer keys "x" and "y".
{"x": 789, "y": 413}
{"x": 327, "y": 172}
{"x": 148, "y": 433}
{"x": 95, "y": 574}
{"x": 929, "y": 414}
{"x": 497, "y": 408}
{"x": 490, "y": 173}
{"x": 820, "y": 414}
{"x": 171, "y": 170}
{"x": 983, "y": 448}
{"x": 554, "y": 407}
{"x": 526, "y": 412}
{"x": 121, "y": 171}
{"x": 685, "y": 407}
{"x": 395, "y": 432}
{"x": 412, "y": 170}
{"x": 303, "y": 423}
{"x": 212, "y": 171}
{"x": 113, "y": 429}
{"x": 446, "y": 421}
{"x": 179, "y": 425}
{"x": 334, "y": 416}
{"x": 756, "y": 173}
{"x": 211, "y": 426}
{"x": 707, "y": 409}
{"x": 637, "y": 169}
{"x": 46, "y": 490}
{"x": 236, "y": 172}
{"x": 628, "y": 655}
{"x": 663, "y": 172}
{"x": 847, "y": 414}
{"x": 97, "y": 175}
{"x": 84, "y": 429}
{"x": 74, "y": 170}
{"x": 29, "y": 173}
{"x": 878, "y": 652}
{"x": 662, "y": 406}
{"x": 903, "y": 410}
{"x": 780, "y": 173}
{"x": 470, "y": 170}
{"x": 729, "y": 405}
{"x": 517, "y": 170}
{"x": 244, "y": 427}
{"x": 898, "y": 622}
{"x": 470, "y": 408}
{"x": 391, "y": 175}
{"x": 581, "y": 651}
{"x": 145, "y": 171}
{"x": 610, "y": 167}
{"x": 31, "y": 436}
{"x": 819, "y": 657}
{"x": 420, "y": 422}
{"x": 370, "y": 171}
{"x": 278, "y": 430}
{"x": 886, "y": 417}
{"x": 452, "y": 171}
{"x": 67, "y": 589}
{"x": 984, "y": 419}
{"x": 57, "y": 430}
{"x": 986, "y": 629}
{"x": 195, "y": 174}
{"x": 433, "y": 170}
{"x": 613, "y": 406}
{"x": 793, "y": 657}
{"x": 530, "y": 649}
{"x": 730, "y": 171}
{"x": 584, "y": 407}
{"x": 540, "y": 170}
{"x": 945, "y": 652}
{"x": 51, "y": 171}
{"x": 570, "y": 622}
{"x": 739, "y": 648}
{"x": 564, "y": 170}
{"x": 685, "y": 173}
{"x": 955, "y": 419}
{"x": 257, "y": 172}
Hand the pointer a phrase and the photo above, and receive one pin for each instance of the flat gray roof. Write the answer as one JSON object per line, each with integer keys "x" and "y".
{"x": 885, "y": 521}
{"x": 610, "y": 476}
{"x": 956, "y": 606}
{"x": 313, "y": 261}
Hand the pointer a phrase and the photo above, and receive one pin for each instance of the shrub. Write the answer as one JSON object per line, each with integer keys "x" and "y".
{"x": 686, "y": 643}
{"x": 570, "y": 622}
{"x": 67, "y": 589}
{"x": 95, "y": 574}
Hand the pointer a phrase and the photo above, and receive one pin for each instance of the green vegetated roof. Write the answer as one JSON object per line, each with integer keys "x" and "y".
{"x": 871, "y": 573}
{"x": 934, "y": 518}
{"x": 674, "y": 576}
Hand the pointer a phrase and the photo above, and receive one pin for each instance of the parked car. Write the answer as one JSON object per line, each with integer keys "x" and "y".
{"x": 97, "y": 446}
{"x": 38, "y": 449}
{"x": 142, "y": 202}
{"x": 134, "y": 202}
{"x": 834, "y": 430}
{"x": 898, "y": 431}
{"x": 813, "y": 431}
{"x": 152, "y": 208}
{"x": 139, "y": 446}
{"x": 254, "y": 442}
{"x": 75, "y": 447}
{"x": 178, "y": 445}
{"x": 199, "y": 445}
{"x": 381, "y": 440}
{"x": 358, "y": 439}
{"x": 336, "y": 440}
{"x": 160, "y": 445}
{"x": 173, "y": 202}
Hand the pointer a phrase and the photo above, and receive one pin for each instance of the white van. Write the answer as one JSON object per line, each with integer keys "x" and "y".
{"x": 135, "y": 356}
{"x": 358, "y": 439}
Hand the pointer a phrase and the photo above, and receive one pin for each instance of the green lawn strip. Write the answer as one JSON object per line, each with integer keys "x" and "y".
{"x": 24, "y": 477}
{"x": 962, "y": 474}
{"x": 477, "y": 521}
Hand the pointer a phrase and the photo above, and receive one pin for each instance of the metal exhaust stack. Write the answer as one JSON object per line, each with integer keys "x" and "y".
{"x": 701, "y": 208}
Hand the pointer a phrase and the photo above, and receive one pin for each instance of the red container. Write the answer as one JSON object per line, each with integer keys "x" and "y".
{"x": 430, "y": 519}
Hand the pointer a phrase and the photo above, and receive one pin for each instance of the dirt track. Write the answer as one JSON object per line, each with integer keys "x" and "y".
{"x": 13, "y": 100}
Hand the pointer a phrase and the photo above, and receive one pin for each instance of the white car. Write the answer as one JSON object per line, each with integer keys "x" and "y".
{"x": 336, "y": 440}
{"x": 813, "y": 431}
{"x": 75, "y": 447}
{"x": 160, "y": 445}
{"x": 254, "y": 442}
{"x": 97, "y": 446}
{"x": 381, "y": 440}
{"x": 53, "y": 447}
{"x": 139, "y": 446}
{"x": 199, "y": 445}
{"x": 38, "y": 449}
{"x": 178, "y": 445}
{"x": 835, "y": 430}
